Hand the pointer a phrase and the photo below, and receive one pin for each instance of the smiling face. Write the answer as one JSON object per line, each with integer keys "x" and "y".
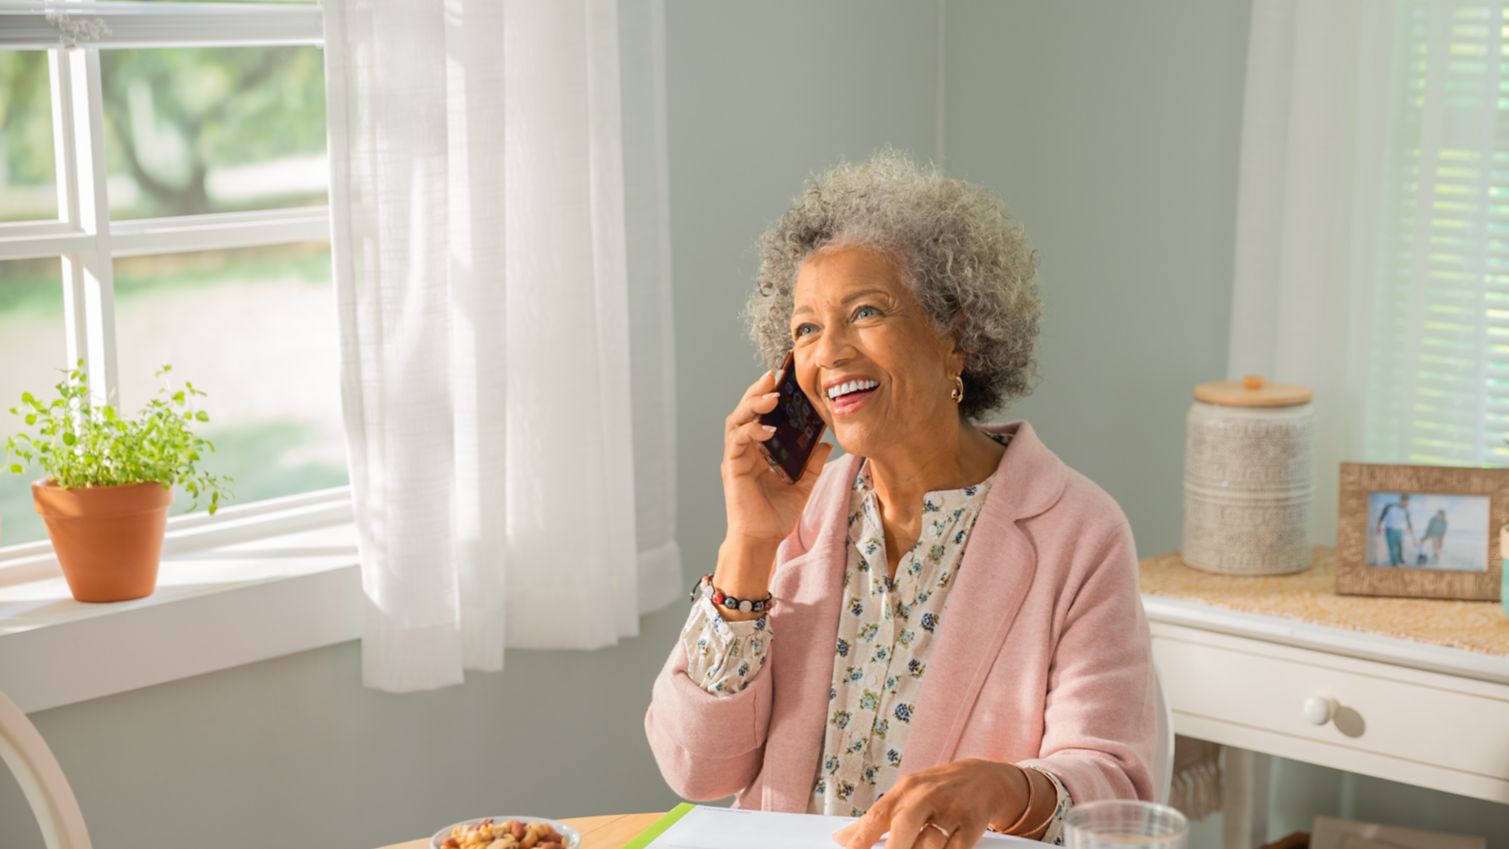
{"x": 867, "y": 355}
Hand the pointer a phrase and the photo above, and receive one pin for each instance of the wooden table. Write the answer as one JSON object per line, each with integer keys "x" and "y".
{"x": 607, "y": 832}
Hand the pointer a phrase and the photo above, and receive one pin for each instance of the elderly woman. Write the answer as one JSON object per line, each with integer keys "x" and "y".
{"x": 956, "y": 642}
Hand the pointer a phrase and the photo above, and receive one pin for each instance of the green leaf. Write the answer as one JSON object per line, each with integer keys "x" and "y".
{"x": 80, "y": 444}
{"x": 15, "y": 469}
{"x": 28, "y": 398}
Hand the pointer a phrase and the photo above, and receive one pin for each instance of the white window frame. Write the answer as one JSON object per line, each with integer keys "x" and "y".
{"x": 86, "y": 241}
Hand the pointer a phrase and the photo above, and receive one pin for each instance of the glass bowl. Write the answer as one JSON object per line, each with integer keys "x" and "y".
{"x": 573, "y": 839}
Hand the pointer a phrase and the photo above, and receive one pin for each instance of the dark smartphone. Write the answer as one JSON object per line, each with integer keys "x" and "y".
{"x": 798, "y": 428}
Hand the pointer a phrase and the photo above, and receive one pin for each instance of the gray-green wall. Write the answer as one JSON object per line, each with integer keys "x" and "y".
{"x": 1110, "y": 129}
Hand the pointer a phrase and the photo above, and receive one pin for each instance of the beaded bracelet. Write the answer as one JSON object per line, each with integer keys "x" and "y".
{"x": 720, "y": 599}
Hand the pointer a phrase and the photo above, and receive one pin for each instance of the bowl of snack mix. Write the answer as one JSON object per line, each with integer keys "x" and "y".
{"x": 507, "y": 833}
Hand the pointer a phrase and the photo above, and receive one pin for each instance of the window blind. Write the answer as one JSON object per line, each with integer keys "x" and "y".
{"x": 1439, "y": 343}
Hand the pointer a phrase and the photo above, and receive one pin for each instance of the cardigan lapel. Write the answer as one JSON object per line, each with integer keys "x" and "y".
{"x": 994, "y": 576}
{"x": 806, "y": 624}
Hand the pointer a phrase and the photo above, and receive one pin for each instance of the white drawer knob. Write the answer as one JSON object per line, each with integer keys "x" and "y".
{"x": 1320, "y": 709}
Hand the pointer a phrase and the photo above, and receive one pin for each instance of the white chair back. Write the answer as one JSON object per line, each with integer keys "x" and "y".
{"x": 47, "y": 791}
{"x": 1163, "y": 753}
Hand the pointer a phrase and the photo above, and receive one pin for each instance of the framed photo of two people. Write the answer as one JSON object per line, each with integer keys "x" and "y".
{"x": 1420, "y": 531}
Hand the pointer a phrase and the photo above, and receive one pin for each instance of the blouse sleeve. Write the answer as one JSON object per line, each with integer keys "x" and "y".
{"x": 1054, "y": 836}
{"x": 722, "y": 657}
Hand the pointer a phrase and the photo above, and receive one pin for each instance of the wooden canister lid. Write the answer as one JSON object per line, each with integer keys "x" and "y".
{"x": 1252, "y": 391}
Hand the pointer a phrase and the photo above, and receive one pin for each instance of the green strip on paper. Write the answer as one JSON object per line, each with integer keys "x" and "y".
{"x": 644, "y": 837}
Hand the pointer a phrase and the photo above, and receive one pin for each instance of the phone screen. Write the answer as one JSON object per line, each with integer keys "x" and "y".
{"x": 798, "y": 428}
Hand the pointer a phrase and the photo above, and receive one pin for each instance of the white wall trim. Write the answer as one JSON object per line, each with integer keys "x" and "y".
{"x": 214, "y": 609}
{"x": 26, "y": 25}
{"x": 189, "y": 531}
{"x": 138, "y": 236}
{"x": 42, "y": 240}
{"x": 1274, "y": 629}
{"x": 219, "y": 231}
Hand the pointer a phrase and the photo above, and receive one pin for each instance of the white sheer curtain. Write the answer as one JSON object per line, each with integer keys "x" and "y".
{"x": 506, "y": 361}
{"x": 1371, "y": 256}
{"x": 1308, "y": 210}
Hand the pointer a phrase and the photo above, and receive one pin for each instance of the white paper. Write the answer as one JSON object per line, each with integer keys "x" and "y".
{"x": 733, "y": 828}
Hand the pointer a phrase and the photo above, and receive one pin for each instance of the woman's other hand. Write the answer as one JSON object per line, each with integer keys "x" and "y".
{"x": 762, "y": 508}
{"x": 948, "y": 807}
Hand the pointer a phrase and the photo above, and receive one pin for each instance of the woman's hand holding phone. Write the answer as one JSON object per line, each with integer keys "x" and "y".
{"x": 762, "y": 508}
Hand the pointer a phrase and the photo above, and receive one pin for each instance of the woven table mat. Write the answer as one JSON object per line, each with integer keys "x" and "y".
{"x": 1309, "y": 596}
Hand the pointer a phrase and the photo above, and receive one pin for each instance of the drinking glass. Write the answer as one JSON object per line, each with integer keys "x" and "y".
{"x": 1120, "y": 823}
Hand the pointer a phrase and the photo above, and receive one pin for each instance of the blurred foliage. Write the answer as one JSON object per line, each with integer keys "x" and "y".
{"x": 30, "y": 284}
{"x": 26, "y": 116}
{"x": 27, "y": 181}
{"x": 207, "y": 108}
{"x": 35, "y": 283}
{"x": 173, "y": 115}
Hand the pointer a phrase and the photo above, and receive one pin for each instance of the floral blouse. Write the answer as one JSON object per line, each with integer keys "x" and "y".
{"x": 885, "y": 633}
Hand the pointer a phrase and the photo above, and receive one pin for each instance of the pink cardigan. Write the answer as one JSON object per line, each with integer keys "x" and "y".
{"x": 1044, "y": 660}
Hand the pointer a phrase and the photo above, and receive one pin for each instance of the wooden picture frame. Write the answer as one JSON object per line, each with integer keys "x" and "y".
{"x": 1462, "y": 491}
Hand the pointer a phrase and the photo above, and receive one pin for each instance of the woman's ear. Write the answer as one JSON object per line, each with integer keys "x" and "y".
{"x": 957, "y": 358}
{"x": 956, "y": 361}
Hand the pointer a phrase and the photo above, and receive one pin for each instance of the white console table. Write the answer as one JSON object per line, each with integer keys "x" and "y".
{"x": 1409, "y": 690}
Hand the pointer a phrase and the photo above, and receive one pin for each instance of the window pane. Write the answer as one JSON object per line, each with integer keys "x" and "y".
{"x": 193, "y": 130}
{"x": 256, "y": 329}
{"x": 28, "y": 181}
{"x": 33, "y": 351}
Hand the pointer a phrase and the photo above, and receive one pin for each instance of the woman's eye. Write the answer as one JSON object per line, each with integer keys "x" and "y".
{"x": 866, "y": 312}
{"x": 802, "y": 330}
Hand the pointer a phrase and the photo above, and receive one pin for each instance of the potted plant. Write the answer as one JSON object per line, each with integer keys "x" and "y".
{"x": 109, "y": 480}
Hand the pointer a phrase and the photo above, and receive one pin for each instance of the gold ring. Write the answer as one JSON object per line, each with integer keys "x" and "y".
{"x": 941, "y": 830}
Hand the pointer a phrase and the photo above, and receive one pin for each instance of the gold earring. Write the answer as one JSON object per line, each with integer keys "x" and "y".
{"x": 957, "y": 393}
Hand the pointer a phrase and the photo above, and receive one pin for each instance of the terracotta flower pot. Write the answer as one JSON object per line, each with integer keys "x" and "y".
{"x": 108, "y": 538}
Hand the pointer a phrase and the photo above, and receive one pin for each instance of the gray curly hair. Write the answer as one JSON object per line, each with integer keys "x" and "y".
{"x": 964, "y": 258}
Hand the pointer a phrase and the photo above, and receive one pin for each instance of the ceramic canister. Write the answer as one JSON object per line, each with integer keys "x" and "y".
{"x": 1248, "y": 480}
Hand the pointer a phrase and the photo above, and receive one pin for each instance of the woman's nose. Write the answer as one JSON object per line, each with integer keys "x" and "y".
{"x": 833, "y": 348}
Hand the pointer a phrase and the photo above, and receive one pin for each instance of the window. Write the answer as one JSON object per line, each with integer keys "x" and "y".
{"x": 163, "y": 200}
{"x": 1440, "y": 324}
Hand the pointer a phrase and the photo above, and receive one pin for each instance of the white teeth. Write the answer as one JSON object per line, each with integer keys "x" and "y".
{"x": 851, "y": 386}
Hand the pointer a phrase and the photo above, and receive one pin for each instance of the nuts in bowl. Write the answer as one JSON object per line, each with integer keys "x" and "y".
{"x": 507, "y": 833}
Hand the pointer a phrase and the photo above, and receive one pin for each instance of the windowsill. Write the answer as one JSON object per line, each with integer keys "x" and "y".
{"x": 229, "y": 595}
